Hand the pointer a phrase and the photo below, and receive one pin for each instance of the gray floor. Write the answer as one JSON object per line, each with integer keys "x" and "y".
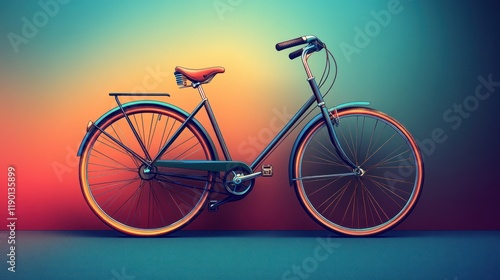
{"x": 109, "y": 255}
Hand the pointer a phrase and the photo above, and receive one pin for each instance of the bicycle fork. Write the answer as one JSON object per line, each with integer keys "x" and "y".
{"x": 326, "y": 115}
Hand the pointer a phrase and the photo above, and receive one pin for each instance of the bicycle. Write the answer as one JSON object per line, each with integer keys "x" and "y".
{"x": 149, "y": 168}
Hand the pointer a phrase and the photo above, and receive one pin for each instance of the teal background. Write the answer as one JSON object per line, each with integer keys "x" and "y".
{"x": 427, "y": 58}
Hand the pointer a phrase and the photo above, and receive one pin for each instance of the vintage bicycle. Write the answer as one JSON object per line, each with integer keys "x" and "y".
{"x": 149, "y": 168}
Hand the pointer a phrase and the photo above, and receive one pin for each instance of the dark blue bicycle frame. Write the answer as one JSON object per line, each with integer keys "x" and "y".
{"x": 205, "y": 103}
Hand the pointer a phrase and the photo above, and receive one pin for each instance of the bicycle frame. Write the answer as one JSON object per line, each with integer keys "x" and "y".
{"x": 228, "y": 163}
{"x": 316, "y": 97}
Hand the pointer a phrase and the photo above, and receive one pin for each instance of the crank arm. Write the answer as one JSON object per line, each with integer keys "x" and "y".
{"x": 239, "y": 179}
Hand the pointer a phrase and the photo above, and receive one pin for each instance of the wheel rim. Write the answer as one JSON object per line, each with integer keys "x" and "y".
{"x": 128, "y": 197}
{"x": 378, "y": 199}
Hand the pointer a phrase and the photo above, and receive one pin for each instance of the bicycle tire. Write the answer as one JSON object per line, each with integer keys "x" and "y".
{"x": 118, "y": 190}
{"x": 363, "y": 205}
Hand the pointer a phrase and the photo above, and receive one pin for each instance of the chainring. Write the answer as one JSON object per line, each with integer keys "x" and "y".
{"x": 237, "y": 189}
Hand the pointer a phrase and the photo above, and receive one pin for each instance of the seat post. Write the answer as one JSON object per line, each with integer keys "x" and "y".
{"x": 200, "y": 90}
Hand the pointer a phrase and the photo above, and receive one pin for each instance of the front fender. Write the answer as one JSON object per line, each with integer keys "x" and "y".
{"x": 304, "y": 130}
{"x": 103, "y": 118}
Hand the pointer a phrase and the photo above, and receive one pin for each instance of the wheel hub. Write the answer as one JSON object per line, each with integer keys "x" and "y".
{"x": 147, "y": 173}
{"x": 359, "y": 171}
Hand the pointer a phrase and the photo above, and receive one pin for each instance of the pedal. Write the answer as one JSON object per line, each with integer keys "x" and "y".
{"x": 213, "y": 206}
{"x": 267, "y": 170}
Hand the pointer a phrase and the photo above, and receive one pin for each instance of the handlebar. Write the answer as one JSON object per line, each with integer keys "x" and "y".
{"x": 291, "y": 43}
{"x": 299, "y": 41}
{"x": 295, "y": 54}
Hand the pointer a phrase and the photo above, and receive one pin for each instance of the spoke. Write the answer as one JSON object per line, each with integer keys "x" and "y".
{"x": 341, "y": 190}
{"x": 387, "y": 192}
{"x": 323, "y": 187}
{"x": 325, "y": 148}
{"x": 168, "y": 135}
{"x": 124, "y": 141}
{"x": 352, "y": 142}
{"x": 119, "y": 149}
{"x": 388, "y": 159}
{"x": 326, "y": 176}
{"x": 385, "y": 143}
{"x": 375, "y": 205}
{"x": 141, "y": 137}
{"x": 109, "y": 159}
{"x": 150, "y": 214}
{"x": 163, "y": 134}
{"x": 351, "y": 199}
{"x": 137, "y": 209}
{"x": 111, "y": 168}
{"x": 380, "y": 177}
{"x": 371, "y": 139}
{"x": 176, "y": 204}
{"x": 99, "y": 175}
{"x": 157, "y": 201}
{"x": 323, "y": 161}
{"x": 361, "y": 137}
{"x": 364, "y": 201}
{"x": 181, "y": 154}
{"x": 111, "y": 182}
{"x": 126, "y": 201}
{"x": 344, "y": 189}
{"x": 182, "y": 185}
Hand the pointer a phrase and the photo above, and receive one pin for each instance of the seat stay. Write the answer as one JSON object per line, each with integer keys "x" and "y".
{"x": 177, "y": 132}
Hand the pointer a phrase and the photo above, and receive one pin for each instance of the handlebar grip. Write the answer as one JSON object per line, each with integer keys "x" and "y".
{"x": 293, "y": 55}
{"x": 291, "y": 43}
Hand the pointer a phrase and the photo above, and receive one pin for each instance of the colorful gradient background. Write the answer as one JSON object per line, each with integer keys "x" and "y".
{"x": 425, "y": 60}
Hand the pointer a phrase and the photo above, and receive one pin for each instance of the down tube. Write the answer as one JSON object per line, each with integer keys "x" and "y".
{"x": 283, "y": 131}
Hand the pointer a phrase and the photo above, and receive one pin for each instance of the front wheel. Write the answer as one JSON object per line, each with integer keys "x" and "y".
{"x": 375, "y": 199}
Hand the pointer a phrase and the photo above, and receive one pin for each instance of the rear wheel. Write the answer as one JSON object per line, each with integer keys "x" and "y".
{"x": 386, "y": 187}
{"x": 134, "y": 199}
